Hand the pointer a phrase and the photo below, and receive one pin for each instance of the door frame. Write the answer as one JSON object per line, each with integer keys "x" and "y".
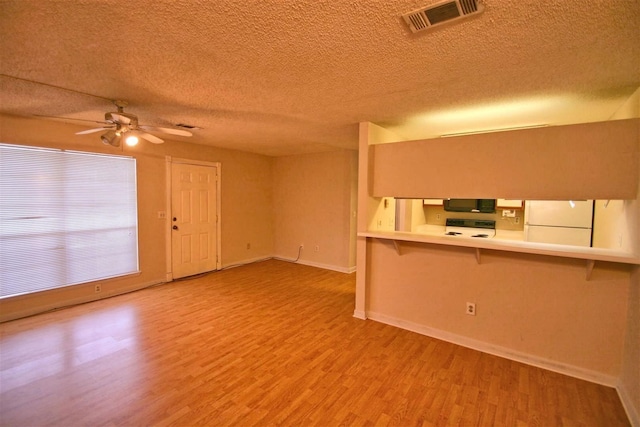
{"x": 169, "y": 161}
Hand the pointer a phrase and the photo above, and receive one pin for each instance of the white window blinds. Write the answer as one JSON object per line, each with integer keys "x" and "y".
{"x": 65, "y": 218}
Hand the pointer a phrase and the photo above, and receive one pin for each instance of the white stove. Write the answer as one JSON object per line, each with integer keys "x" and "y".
{"x": 478, "y": 228}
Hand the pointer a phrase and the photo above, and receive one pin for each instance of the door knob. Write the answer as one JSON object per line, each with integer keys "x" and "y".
{"x": 175, "y": 227}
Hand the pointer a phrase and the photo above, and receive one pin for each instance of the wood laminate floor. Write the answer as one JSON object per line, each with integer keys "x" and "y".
{"x": 270, "y": 343}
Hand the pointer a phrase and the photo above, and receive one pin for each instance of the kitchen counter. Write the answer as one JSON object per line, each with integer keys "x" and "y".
{"x": 505, "y": 240}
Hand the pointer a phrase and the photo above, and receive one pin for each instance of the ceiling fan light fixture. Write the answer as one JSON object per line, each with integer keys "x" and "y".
{"x": 131, "y": 140}
{"x": 111, "y": 138}
{"x": 120, "y": 125}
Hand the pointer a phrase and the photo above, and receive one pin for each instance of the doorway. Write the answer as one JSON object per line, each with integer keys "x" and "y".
{"x": 195, "y": 217}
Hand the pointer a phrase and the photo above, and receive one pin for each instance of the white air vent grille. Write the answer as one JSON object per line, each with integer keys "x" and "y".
{"x": 440, "y": 13}
{"x": 468, "y": 6}
{"x": 417, "y": 21}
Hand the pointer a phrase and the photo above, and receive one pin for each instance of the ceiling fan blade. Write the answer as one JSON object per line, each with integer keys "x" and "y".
{"x": 121, "y": 118}
{"x": 71, "y": 118}
{"x": 85, "y": 132}
{"x": 179, "y": 132}
{"x": 151, "y": 138}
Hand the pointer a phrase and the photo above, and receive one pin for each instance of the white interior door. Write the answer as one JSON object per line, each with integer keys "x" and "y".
{"x": 194, "y": 214}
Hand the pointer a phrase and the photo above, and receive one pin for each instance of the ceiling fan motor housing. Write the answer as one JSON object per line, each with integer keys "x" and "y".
{"x": 122, "y": 118}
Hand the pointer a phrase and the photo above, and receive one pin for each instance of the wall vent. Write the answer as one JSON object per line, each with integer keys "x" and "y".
{"x": 440, "y": 13}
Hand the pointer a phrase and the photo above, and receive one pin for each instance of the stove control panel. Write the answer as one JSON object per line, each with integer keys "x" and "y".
{"x": 471, "y": 223}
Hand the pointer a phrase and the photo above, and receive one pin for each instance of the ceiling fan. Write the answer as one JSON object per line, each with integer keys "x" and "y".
{"x": 120, "y": 125}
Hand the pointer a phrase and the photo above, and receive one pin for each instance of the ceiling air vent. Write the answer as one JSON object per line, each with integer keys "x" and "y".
{"x": 440, "y": 13}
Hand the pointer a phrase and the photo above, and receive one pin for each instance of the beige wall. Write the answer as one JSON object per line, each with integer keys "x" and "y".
{"x": 534, "y": 308}
{"x": 431, "y": 214}
{"x": 353, "y": 221}
{"x": 247, "y": 214}
{"x": 418, "y": 214}
{"x": 610, "y": 228}
{"x": 629, "y": 385}
{"x": 368, "y": 206}
{"x": 384, "y": 214}
{"x": 553, "y": 163}
{"x": 314, "y": 204}
{"x": 308, "y": 199}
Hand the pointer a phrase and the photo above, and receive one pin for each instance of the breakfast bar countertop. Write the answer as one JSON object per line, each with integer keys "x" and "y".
{"x": 504, "y": 240}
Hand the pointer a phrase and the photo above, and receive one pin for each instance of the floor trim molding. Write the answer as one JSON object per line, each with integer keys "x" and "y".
{"x": 360, "y": 314}
{"x": 529, "y": 359}
{"x": 242, "y": 262}
{"x": 339, "y": 269}
{"x": 82, "y": 299}
{"x": 627, "y": 403}
{"x": 331, "y": 267}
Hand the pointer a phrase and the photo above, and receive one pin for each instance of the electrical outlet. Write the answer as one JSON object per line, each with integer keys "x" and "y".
{"x": 438, "y": 217}
{"x": 317, "y": 248}
{"x": 97, "y": 289}
{"x": 162, "y": 215}
{"x": 517, "y": 220}
{"x": 248, "y": 245}
{"x": 471, "y": 309}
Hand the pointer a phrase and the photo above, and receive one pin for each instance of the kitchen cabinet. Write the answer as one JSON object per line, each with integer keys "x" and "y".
{"x": 508, "y": 204}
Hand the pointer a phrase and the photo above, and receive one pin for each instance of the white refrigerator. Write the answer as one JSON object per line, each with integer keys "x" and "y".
{"x": 561, "y": 222}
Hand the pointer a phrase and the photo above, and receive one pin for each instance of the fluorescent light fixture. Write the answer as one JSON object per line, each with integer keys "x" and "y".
{"x": 498, "y": 111}
{"x": 505, "y": 114}
{"x": 448, "y": 135}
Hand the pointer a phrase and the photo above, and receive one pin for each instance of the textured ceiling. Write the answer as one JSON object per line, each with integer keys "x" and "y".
{"x": 282, "y": 77}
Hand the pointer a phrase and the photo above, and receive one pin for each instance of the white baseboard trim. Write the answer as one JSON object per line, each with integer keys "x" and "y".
{"x": 339, "y": 269}
{"x": 529, "y": 359}
{"x": 360, "y": 314}
{"x": 61, "y": 304}
{"x": 627, "y": 403}
{"x": 327, "y": 266}
{"x": 246, "y": 261}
